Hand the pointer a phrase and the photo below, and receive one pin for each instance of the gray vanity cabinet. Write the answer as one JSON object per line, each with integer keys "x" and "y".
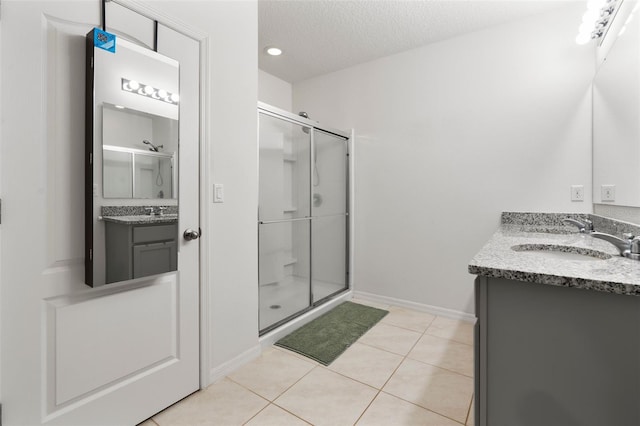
{"x": 135, "y": 250}
{"x": 555, "y": 356}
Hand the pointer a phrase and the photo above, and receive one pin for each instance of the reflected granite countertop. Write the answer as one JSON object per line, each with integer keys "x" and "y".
{"x": 141, "y": 219}
{"x": 497, "y": 259}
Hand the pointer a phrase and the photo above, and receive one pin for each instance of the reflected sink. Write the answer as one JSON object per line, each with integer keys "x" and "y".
{"x": 560, "y": 252}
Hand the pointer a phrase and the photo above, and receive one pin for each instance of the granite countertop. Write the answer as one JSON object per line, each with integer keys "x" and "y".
{"x": 141, "y": 219}
{"x": 496, "y": 259}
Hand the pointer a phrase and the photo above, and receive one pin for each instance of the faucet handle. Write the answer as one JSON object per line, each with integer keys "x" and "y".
{"x": 588, "y": 224}
{"x": 161, "y": 210}
{"x": 628, "y": 236}
{"x": 634, "y": 244}
{"x": 149, "y": 210}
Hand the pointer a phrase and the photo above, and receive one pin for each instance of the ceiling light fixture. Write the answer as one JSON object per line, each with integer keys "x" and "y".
{"x": 273, "y": 51}
{"x": 149, "y": 91}
{"x": 596, "y": 20}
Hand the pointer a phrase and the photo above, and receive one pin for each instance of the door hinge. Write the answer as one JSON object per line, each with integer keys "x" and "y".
{"x": 90, "y": 254}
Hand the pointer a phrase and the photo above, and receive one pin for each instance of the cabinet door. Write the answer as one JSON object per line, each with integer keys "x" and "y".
{"x": 151, "y": 259}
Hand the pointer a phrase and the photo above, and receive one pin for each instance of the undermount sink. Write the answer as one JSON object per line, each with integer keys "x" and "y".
{"x": 560, "y": 252}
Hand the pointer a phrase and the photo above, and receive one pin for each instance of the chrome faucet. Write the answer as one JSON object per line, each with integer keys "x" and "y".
{"x": 628, "y": 247}
{"x": 584, "y": 226}
{"x": 155, "y": 211}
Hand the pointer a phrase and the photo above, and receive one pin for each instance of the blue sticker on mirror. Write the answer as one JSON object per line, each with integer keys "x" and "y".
{"x": 104, "y": 40}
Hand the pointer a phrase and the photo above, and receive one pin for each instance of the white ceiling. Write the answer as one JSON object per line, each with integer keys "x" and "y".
{"x": 321, "y": 36}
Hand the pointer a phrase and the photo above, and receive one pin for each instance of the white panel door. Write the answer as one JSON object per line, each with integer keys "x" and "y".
{"x": 71, "y": 354}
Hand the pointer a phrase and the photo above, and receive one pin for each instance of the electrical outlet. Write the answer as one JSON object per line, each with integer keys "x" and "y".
{"x": 608, "y": 192}
{"x": 577, "y": 192}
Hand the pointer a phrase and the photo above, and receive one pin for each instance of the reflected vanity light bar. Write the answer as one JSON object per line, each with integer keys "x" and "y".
{"x": 149, "y": 91}
{"x": 596, "y": 20}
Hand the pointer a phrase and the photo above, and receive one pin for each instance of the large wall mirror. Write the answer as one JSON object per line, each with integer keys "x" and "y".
{"x": 616, "y": 118}
{"x": 131, "y": 191}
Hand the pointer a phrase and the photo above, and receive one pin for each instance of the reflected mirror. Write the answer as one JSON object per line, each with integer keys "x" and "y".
{"x": 131, "y": 188}
{"x": 138, "y": 154}
{"x": 616, "y": 123}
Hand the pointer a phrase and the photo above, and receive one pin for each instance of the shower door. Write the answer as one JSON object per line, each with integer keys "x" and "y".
{"x": 302, "y": 217}
{"x": 284, "y": 219}
{"x": 329, "y": 203}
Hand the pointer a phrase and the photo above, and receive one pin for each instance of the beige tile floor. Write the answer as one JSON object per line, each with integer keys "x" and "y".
{"x": 412, "y": 368}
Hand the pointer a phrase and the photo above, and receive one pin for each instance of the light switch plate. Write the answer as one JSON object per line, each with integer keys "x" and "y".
{"x": 218, "y": 193}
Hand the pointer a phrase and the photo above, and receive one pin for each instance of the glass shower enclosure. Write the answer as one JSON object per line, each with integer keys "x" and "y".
{"x": 303, "y": 230}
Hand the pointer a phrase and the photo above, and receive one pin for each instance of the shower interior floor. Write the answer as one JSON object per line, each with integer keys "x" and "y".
{"x": 290, "y": 295}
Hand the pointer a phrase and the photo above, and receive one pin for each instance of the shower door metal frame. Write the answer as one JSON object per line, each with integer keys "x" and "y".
{"x": 287, "y": 116}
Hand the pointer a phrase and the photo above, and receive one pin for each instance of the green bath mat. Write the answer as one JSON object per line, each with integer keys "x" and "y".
{"x": 327, "y": 336}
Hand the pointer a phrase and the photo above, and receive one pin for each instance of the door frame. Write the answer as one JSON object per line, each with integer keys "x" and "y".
{"x": 204, "y": 135}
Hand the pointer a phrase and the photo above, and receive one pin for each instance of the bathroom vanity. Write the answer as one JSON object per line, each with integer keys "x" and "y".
{"x": 557, "y": 337}
{"x": 139, "y": 246}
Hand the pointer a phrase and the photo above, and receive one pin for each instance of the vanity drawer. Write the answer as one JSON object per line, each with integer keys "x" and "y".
{"x": 146, "y": 234}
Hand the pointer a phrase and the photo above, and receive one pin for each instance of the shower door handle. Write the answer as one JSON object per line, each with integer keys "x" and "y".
{"x": 191, "y": 234}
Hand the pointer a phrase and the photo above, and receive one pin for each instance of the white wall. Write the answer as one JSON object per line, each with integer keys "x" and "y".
{"x": 274, "y": 91}
{"x": 450, "y": 135}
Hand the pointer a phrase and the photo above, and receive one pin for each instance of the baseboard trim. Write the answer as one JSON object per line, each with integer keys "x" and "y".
{"x": 435, "y": 310}
{"x": 273, "y": 336}
{"x": 227, "y": 367}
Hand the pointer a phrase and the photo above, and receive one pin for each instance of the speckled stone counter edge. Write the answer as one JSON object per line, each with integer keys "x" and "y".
{"x": 133, "y": 210}
{"x": 552, "y": 223}
{"x": 559, "y": 281}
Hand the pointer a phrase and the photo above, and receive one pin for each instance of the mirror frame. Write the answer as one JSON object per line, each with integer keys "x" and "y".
{"x": 168, "y": 107}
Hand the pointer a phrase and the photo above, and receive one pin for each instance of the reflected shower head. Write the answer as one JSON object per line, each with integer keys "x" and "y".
{"x": 153, "y": 147}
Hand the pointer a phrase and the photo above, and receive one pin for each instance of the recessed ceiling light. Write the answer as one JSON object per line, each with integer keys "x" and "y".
{"x": 273, "y": 51}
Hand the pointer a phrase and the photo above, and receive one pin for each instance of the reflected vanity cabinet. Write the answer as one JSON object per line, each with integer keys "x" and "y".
{"x": 135, "y": 250}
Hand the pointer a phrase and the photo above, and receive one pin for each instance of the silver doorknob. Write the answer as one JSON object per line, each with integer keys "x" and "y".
{"x": 190, "y": 234}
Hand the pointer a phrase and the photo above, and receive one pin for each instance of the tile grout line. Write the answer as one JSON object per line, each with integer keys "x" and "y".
{"x": 391, "y": 375}
{"x": 404, "y": 358}
{"x": 259, "y": 411}
{"x": 424, "y": 408}
{"x": 380, "y": 390}
{"x": 441, "y": 338}
{"x": 269, "y": 402}
{"x": 284, "y": 391}
{"x": 293, "y": 414}
{"x": 470, "y": 405}
{"x": 368, "y": 406}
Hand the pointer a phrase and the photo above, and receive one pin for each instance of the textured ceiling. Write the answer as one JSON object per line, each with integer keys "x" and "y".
{"x": 321, "y": 36}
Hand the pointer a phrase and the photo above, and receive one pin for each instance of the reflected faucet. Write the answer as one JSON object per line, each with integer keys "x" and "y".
{"x": 584, "y": 226}
{"x": 155, "y": 211}
{"x": 628, "y": 247}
